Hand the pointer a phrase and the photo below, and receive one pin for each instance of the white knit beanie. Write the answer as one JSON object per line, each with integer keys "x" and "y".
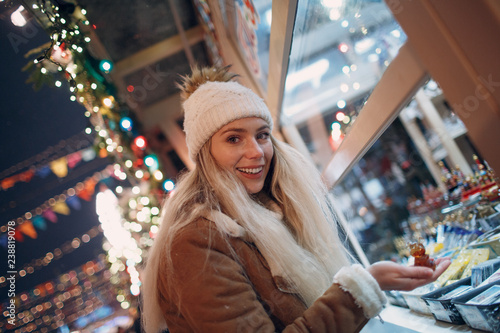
{"x": 215, "y": 104}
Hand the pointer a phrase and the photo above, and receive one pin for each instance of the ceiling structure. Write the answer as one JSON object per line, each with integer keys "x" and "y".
{"x": 150, "y": 43}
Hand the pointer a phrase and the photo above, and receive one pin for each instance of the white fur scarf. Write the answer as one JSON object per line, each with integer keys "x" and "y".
{"x": 288, "y": 260}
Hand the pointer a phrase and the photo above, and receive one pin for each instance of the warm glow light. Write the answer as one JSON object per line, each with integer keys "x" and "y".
{"x": 107, "y": 101}
{"x": 126, "y": 123}
{"x": 312, "y": 73}
{"x": 151, "y": 162}
{"x": 168, "y": 185}
{"x": 135, "y": 290}
{"x": 109, "y": 216}
{"x": 340, "y": 116}
{"x": 132, "y": 204}
{"x": 396, "y": 33}
{"x": 336, "y": 134}
{"x": 106, "y": 66}
{"x": 343, "y": 47}
{"x": 17, "y": 17}
{"x": 140, "y": 142}
{"x": 334, "y": 14}
{"x": 158, "y": 175}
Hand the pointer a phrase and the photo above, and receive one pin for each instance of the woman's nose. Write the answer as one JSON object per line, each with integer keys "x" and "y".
{"x": 253, "y": 150}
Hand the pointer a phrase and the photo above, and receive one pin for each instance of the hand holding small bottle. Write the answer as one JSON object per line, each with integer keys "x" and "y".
{"x": 392, "y": 276}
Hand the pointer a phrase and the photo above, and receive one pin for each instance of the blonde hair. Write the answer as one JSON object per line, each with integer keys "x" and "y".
{"x": 303, "y": 247}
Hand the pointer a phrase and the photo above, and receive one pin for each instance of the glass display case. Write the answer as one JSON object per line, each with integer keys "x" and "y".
{"x": 396, "y": 103}
{"x": 340, "y": 49}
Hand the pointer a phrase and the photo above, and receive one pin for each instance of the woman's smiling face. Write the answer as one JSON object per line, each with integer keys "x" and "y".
{"x": 244, "y": 148}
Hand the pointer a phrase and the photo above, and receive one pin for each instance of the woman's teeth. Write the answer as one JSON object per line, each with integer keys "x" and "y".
{"x": 250, "y": 171}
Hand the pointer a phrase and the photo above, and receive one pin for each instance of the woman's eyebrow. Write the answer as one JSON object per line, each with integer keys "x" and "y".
{"x": 242, "y": 130}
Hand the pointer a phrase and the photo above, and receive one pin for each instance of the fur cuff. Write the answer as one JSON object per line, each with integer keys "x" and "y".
{"x": 363, "y": 287}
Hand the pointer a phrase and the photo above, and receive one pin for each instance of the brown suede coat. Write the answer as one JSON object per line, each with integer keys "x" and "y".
{"x": 212, "y": 290}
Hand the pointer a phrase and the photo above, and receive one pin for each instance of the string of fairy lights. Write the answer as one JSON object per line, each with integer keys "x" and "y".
{"x": 70, "y": 299}
{"x": 84, "y": 189}
{"x": 74, "y": 143}
{"x": 56, "y": 254}
{"x": 67, "y": 61}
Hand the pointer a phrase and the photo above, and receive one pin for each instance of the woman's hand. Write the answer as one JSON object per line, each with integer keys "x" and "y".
{"x": 392, "y": 276}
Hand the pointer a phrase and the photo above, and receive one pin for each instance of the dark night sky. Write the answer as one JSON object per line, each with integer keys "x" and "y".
{"x": 30, "y": 123}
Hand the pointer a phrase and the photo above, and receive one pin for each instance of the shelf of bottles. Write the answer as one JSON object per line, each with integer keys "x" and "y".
{"x": 454, "y": 219}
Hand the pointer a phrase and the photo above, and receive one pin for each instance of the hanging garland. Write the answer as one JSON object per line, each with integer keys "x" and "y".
{"x": 74, "y": 143}
{"x": 83, "y": 190}
{"x": 68, "y": 59}
{"x": 59, "y": 166}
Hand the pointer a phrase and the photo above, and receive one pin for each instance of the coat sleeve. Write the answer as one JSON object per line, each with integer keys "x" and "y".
{"x": 212, "y": 293}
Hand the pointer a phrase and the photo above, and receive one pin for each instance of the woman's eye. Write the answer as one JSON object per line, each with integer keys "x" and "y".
{"x": 233, "y": 139}
{"x": 263, "y": 136}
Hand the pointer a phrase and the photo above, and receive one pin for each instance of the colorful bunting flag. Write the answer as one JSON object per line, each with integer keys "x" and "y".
{"x": 61, "y": 208}
{"x": 4, "y": 240}
{"x": 7, "y": 183}
{"x": 89, "y": 185}
{"x": 59, "y": 167}
{"x": 39, "y": 222}
{"x": 50, "y": 215}
{"x": 28, "y": 229}
{"x": 26, "y": 176}
{"x": 103, "y": 153}
{"x": 74, "y": 203}
{"x": 74, "y": 159}
{"x": 88, "y": 154}
{"x": 84, "y": 194}
{"x": 18, "y": 236}
{"x": 43, "y": 172}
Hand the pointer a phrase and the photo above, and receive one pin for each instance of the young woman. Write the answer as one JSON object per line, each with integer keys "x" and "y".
{"x": 249, "y": 242}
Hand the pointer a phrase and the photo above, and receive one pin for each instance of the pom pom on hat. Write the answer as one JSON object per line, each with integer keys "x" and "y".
{"x": 214, "y": 105}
